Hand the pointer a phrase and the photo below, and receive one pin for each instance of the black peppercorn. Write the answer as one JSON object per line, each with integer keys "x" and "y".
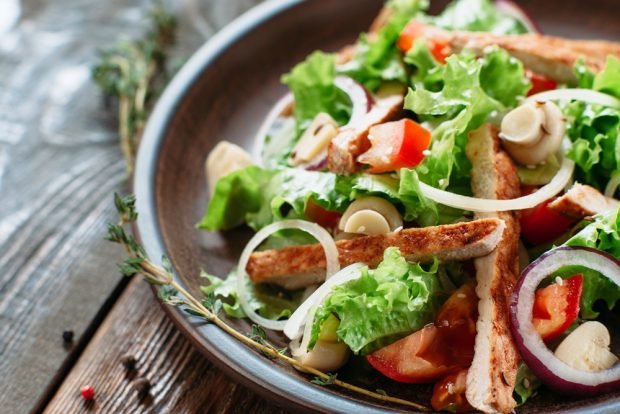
{"x": 67, "y": 336}
{"x": 142, "y": 387}
{"x": 129, "y": 362}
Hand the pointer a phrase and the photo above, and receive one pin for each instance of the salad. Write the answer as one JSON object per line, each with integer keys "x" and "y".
{"x": 438, "y": 199}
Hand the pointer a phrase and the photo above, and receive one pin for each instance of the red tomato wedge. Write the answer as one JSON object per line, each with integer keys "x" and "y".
{"x": 540, "y": 83}
{"x": 541, "y": 224}
{"x": 323, "y": 217}
{"x": 437, "y": 43}
{"x": 395, "y": 145}
{"x": 437, "y": 349}
{"x": 449, "y": 393}
{"x": 557, "y": 306}
{"x": 403, "y": 360}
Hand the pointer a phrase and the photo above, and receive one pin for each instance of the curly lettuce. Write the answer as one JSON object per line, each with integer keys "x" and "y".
{"x": 377, "y": 59}
{"x": 312, "y": 85}
{"x": 469, "y": 92}
{"x": 594, "y": 129}
{"x": 383, "y": 305}
{"x": 268, "y": 301}
{"x": 603, "y": 234}
{"x": 478, "y": 16}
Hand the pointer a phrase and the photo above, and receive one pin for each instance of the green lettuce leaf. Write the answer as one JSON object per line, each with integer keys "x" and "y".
{"x": 288, "y": 191}
{"x": 404, "y": 193}
{"x": 526, "y": 385}
{"x": 312, "y": 85}
{"x": 383, "y": 305}
{"x": 267, "y": 301}
{"x": 465, "y": 100}
{"x": 236, "y": 195}
{"x": 477, "y": 16}
{"x": 593, "y": 131}
{"x": 603, "y": 234}
{"x": 260, "y": 197}
{"x": 378, "y": 59}
{"x": 503, "y": 78}
{"x": 608, "y": 80}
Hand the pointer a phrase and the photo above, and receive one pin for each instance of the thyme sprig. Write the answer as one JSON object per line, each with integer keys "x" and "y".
{"x": 135, "y": 72}
{"x": 172, "y": 293}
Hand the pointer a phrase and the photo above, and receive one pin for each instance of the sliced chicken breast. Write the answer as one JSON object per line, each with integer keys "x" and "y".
{"x": 583, "y": 201}
{"x": 298, "y": 266}
{"x": 551, "y": 56}
{"x": 492, "y": 375}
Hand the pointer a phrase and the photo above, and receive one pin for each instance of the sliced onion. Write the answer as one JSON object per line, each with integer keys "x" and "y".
{"x": 295, "y": 324}
{"x": 557, "y": 184}
{"x": 360, "y": 97}
{"x": 584, "y": 95}
{"x": 278, "y": 110}
{"x": 510, "y": 8}
{"x": 318, "y": 232}
{"x": 552, "y": 371}
{"x": 612, "y": 185}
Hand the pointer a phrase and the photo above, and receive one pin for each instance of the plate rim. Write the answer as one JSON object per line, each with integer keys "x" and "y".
{"x": 207, "y": 338}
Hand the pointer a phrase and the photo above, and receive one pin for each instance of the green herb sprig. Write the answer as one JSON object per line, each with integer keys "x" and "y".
{"x": 173, "y": 294}
{"x": 135, "y": 72}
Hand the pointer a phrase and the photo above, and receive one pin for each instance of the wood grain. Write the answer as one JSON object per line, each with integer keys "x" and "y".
{"x": 59, "y": 165}
{"x": 182, "y": 380}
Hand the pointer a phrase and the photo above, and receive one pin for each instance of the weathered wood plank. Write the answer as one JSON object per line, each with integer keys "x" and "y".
{"x": 181, "y": 379}
{"x": 59, "y": 164}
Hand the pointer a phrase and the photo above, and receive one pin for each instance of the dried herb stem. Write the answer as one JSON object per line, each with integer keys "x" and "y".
{"x": 179, "y": 296}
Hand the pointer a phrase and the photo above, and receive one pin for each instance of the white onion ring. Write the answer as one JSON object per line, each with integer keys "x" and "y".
{"x": 575, "y": 94}
{"x": 513, "y": 10}
{"x": 295, "y": 324}
{"x": 318, "y": 232}
{"x": 485, "y": 205}
{"x": 539, "y": 358}
{"x": 282, "y": 105}
{"x": 612, "y": 186}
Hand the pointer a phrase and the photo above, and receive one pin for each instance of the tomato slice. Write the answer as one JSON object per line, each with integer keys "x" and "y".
{"x": 540, "y": 224}
{"x": 557, "y": 306}
{"x": 437, "y": 349}
{"x": 456, "y": 321}
{"x": 395, "y": 145}
{"x": 449, "y": 393}
{"x": 401, "y": 361}
{"x": 325, "y": 218}
{"x": 437, "y": 43}
{"x": 540, "y": 83}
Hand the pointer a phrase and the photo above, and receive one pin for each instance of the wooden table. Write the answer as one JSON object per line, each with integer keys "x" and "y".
{"x": 59, "y": 165}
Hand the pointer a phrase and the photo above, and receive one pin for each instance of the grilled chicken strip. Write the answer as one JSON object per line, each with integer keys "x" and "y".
{"x": 352, "y": 141}
{"x": 298, "y": 266}
{"x": 583, "y": 201}
{"x": 551, "y": 56}
{"x": 492, "y": 375}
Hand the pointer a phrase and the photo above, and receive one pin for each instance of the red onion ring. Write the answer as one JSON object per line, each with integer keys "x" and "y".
{"x": 552, "y": 371}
